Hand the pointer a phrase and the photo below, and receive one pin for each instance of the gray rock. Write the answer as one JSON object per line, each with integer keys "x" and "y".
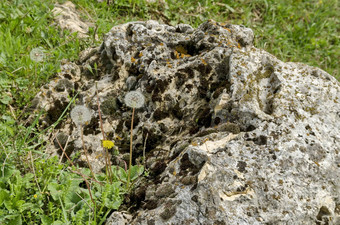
{"x": 119, "y": 218}
{"x": 232, "y": 134}
{"x": 66, "y": 16}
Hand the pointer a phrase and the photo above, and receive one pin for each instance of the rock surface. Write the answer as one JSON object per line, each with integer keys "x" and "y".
{"x": 232, "y": 134}
{"x": 66, "y": 17}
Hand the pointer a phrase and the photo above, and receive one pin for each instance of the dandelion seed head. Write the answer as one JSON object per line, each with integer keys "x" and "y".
{"x": 134, "y": 99}
{"x": 37, "y": 54}
{"x": 81, "y": 115}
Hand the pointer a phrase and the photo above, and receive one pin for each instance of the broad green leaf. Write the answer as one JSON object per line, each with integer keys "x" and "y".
{"x": 4, "y": 195}
{"x": 122, "y": 174}
{"x": 8, "y": 205}
{"x": 5, "y": 99}
{"x": 8, "y": 172}
{"x": 136, "y": 171}
{"x": 45, "y": 220}
{"x": 114, "y": 204}
{"x": 71, "y": 199}
{"x": 55, "y": 190}
{"x": 18, "y": 203}
{"x": 26, "y": 206}
{"x": 16, "y": 220}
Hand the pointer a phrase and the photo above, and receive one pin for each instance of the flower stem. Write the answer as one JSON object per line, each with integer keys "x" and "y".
{"x": 87, "y": 158}
{"x": 107, "y": 158}
{"x": 35, "y": 176}
{"x": 129, "y": 176}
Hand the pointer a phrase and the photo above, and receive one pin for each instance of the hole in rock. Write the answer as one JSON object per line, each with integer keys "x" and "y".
{"x": 323, "y": 216}
{"x": 250, "y": 128}
{"x": 55, "y": 112}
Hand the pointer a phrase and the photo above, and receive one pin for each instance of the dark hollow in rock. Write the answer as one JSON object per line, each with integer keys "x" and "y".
{"x": 160, "y": 114}
{"x": 188, "y": 180}
{"x": 62, "y": 139}
{"x": 153, "y": 140}
{"x": 34, "y": 104}
{"x": 163, "y": 128}
{"x": 168, "y": 213}
{"x": 138, "y": 196}
{"x": 63, "y": 84}
{"x": 203, "y": 117}
{"x": 164, "y": 190}
{"x": 109, "y": 106}
{"x": 185, "y": 162}
{"x": 151, "y": 222}
{"x": 323, "y": 216}
{"x": 56, "y": 111}
{"x": 150, "y": 204}
{"x": 219, "y": 222}
{"x": 177, "y": 112}
{"x": 230, "y": 127}
{"x": 241, "y": 166}
{"x": 158, "y": 168}
{"x": 136, "y": 121}
{"x": 250, "y": 128}
{"x": 187, "y": 166}
{"x": 261, "y": 140}
{"x": 91, "y": 128}
{"x": 217, "y": 120}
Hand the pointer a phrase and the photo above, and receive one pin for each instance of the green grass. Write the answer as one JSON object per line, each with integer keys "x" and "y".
{"x": 292, "y": 30}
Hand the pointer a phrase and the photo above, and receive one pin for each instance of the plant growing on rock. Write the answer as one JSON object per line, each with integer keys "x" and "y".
{"x": 133, "y": 99}
{"x": 81, "y": 116}
{"x": 107, "y": 144}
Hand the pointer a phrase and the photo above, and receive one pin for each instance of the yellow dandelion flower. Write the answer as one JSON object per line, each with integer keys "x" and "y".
{"x": 35, "y": 196}
{"x": 108, "y": 144}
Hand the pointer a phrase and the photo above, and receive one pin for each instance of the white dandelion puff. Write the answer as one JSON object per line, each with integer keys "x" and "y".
{"x": 37, "y": 54}
{"x": 134, "y": 99}
{"x": 81, "y": 115}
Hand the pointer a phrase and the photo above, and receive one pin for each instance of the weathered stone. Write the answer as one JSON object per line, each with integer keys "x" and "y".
{"x": 118, "y": 218}
{"x": 67, "y": 17}
{"x": 236, "y": 135}
{"x": 164, "y": 190}
{"x": 63, "y": 84}
{"x": 109, "y": 106}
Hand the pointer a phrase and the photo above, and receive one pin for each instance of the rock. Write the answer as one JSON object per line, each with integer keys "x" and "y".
{"x": 66, "y": 16}
{"x": 232, "y": 134}
{"x": 118, "y": 218}
{"x": 164, "y": 190}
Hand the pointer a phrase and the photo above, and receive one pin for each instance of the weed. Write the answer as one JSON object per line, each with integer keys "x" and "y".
{"x": 133, "y": 99}
{"x": 107, "y": 144}
{"x": 81, "y": 116}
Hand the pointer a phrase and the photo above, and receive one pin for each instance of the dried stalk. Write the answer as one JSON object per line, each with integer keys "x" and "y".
{"x": 86, "y": 181}
{"x": 107, "y": 159}
{"x": 35, "y": 176}
{"x": 87, "y": 158}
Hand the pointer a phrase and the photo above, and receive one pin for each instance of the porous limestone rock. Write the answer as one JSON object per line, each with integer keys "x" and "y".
{"x": 232, "y": 134}
{"x": 66, "y": 17}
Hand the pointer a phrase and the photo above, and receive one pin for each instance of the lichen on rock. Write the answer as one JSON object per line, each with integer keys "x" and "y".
{"x": 232, "y": 134}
